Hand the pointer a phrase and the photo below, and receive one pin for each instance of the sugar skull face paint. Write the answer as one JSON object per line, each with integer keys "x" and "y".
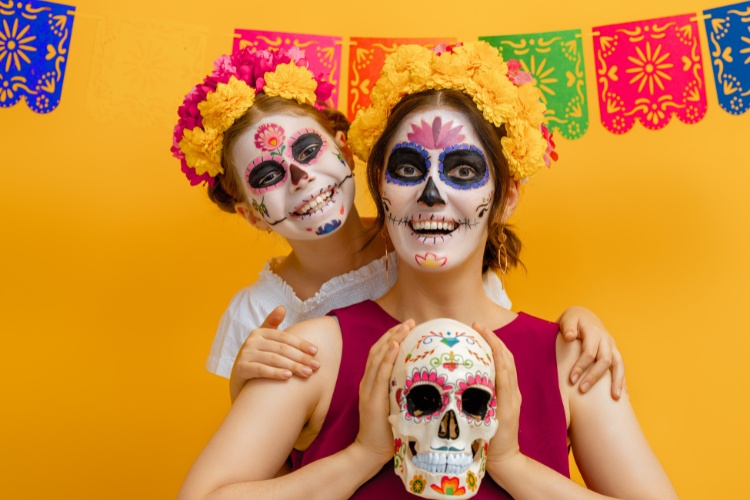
{"x": 437, "y": 189}
{"x": 295, "y": 176}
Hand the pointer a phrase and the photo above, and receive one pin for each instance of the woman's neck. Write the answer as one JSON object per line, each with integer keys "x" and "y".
{"x": 458, "y": 294}
{"x": 314, "y": 262}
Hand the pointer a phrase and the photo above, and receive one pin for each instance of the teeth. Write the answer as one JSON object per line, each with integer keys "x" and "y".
{"x": 433, "y": 225}
{"x": 451, "y": 463}
{"x": 313, "y": 205}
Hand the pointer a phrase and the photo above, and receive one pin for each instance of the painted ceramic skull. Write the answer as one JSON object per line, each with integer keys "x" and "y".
{"x": 442, "y": 409}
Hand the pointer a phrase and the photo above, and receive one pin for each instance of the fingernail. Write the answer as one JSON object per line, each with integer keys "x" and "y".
{"x": 585, "y": 386}
{"x": 286, "y": 374}
{"x": 312, "y": 350}
{"x": 619, "y": 392}
{"x": 306, "y": 370}
{"x": 315, "y": 363}
{"x": 574, "y": 378}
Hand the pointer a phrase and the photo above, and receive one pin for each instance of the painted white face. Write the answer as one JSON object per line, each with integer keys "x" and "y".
{"x": 294, "y": 176}
{"x": 437, "y": 189}
{"x": 443, "y": 405}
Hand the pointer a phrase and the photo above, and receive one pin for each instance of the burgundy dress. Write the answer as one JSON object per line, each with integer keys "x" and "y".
{"x": 542, "y": 429}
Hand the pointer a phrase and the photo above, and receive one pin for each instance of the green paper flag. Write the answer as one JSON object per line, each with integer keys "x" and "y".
{"x": 555, "y": 61}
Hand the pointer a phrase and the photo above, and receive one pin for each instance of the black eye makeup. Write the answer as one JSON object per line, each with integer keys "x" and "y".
{"x": 306, "y": 146}
{"x": 407, "y": 165}
{"x": 463, "y": 167}
{"x": 265, "y": 176}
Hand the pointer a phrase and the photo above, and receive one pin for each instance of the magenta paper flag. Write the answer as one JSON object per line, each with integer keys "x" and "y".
{"x": 323, "y": 52}
{"x": 649, "y": 70}
{"x": 34, "y": 43}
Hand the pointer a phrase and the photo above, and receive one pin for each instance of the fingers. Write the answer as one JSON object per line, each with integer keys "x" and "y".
{"x": 618, "y": 374}
{"x": 383, "y": 354}
{"x": 269, "y": 353}
{"x": 589, "y": 350}
{"x": 274, "y": 318}
{"x": 569, "y": 327}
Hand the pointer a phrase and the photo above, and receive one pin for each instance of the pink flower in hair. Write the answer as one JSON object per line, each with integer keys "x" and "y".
{"x": 515, "y": 74}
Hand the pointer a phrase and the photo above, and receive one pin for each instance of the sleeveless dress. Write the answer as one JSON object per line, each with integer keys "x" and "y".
{"x": 542, "y": 428}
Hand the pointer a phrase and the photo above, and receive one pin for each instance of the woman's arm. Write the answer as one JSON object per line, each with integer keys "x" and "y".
{"x": 608, "y": 444}
{"x": 524, "y": 477}
{"x": 268, "y": 417}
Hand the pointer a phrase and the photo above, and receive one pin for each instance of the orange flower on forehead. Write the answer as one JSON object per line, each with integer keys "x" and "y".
{"x": 501, "y": 91}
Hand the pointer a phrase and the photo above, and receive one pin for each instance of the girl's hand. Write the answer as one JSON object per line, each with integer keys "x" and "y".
{"x": 504, "y": 445}
{"x": 598, "y": 352}
{"x": 271, "y": 353}
{"x": 375, "y": 434}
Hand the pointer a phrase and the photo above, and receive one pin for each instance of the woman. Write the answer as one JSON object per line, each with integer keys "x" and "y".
{"x": 256, "y": 131}
{"x": 450, "y": 137}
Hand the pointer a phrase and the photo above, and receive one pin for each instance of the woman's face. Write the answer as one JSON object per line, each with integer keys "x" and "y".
{"x": 437, "y": 190}
{"x": 295, "y": 176}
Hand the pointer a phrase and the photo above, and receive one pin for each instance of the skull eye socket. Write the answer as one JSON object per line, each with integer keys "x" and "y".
{"x": 475, "y": 402}
{"x": 423, "y": 399}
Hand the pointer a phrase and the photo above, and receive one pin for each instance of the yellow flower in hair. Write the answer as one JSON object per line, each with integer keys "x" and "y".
{"x": 291, "y": 82}
{"x": 530, "y": 105}
{"x": 202, "y": 150}
{"x": 223, "y": 106}
{"x": 413, "y": 60}
{"x": 365, "y": 130}
{"x": 494, "y": 95}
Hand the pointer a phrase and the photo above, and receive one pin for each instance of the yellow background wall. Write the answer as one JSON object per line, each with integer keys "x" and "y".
{"x": 115, "y": 272}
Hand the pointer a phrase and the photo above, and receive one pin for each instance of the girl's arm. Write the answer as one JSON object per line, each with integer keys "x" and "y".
{"x": 598, "y": 354}
{"x": 272, "y": 354}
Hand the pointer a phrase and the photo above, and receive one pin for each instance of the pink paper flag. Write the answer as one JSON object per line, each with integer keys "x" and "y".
{"x": 323, "y": 53}
{"x": 649, "y": 70}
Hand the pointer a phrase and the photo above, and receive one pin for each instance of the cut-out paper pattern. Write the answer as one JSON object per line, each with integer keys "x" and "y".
{"x": 649, "y": 70}
{"x": 136, "y": 62}
{"x": 34, "y": 43}
{"x": 366, "y": 58}
{"x": 555, "y": 61}
{"x": 728, "y": 31}
{"x": 323, "y": 53}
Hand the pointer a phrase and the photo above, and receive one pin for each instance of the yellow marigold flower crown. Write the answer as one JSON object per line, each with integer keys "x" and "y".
{"x": 504, "y": 94}
{"x": 212, "y": 106}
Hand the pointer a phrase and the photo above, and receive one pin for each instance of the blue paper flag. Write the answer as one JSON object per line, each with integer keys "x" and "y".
{"x": 34, "y": 42}
{"x": 728, "y": 30}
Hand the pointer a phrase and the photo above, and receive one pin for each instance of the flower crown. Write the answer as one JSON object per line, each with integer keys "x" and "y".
{"x": 502, "y": 92}
{"x": 212, "y": 106}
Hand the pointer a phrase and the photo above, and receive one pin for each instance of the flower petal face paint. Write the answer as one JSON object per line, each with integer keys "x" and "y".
{"x": 294, "y": 176}
{"x": 437, "y": 189}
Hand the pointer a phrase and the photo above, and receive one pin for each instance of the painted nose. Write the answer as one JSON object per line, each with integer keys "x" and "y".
{"x": 297, "y": 174}
{"x": 448, "y": 426}
{"x": 430, "y": 196}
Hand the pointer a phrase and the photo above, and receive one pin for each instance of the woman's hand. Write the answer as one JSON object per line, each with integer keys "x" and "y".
{"x": 598, "y": 352}
{"x": 271, "y": 353}
{"x": 504, "y": 445}
{"x": 375, "y": 434}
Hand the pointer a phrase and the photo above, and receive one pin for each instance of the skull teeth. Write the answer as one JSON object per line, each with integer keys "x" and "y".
{"x": 451, "y": 463}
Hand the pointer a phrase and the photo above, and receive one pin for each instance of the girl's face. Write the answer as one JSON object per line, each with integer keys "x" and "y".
{"x": 437, "y": 189}
{"x": 295, "y": 176}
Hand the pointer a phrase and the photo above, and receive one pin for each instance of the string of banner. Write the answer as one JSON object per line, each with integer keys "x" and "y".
{"x": 646, "y": 71}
